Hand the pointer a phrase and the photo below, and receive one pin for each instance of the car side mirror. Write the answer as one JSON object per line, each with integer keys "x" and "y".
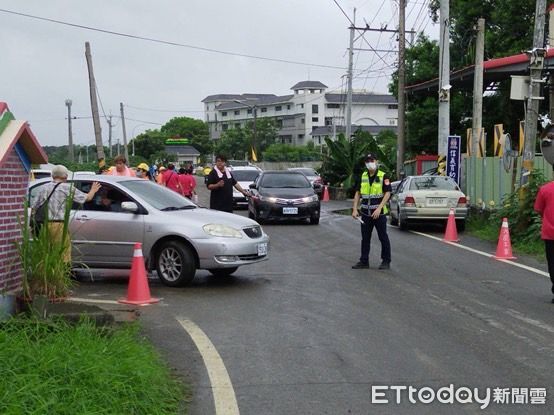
{"x": 252, "y": 185}
{"x": 129, "y": 207}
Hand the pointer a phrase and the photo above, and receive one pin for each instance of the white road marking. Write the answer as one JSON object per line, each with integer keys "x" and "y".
{"x": 467, "y": 248}
{"x": 224, "y": 395}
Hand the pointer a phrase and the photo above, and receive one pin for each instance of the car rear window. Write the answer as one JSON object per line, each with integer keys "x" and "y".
{"x": 245, "y": 175}
{"x": 433, "y": 182}
{"x": 285, "y": 180}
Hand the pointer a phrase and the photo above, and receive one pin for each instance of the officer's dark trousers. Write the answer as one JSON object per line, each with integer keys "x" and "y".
{"x": 367, "y": 229}
{"x": 549, "y": 250}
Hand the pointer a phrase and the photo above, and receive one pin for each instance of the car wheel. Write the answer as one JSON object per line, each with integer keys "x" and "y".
{"x": 461, "y": 225}
{"x": 402, "y": 223}
{"x": 222, "y": 272}
{"x": 393, "y": 220}
{"x": 175, "y": 264}
{"x": 314, "y": 220}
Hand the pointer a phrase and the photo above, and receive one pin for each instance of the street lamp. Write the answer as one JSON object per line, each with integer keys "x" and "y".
{"x": 254, "y": 109}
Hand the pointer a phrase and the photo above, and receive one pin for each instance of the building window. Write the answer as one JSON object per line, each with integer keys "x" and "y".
{"x": 264, "y": 109}
{"x": 392, "y": 121}
{"x": 328, "y": 120}
{"x": 315, "y": 119}
{"x": 393, "y": 106}
{"x": 288, "y": 106}
{"x": 249, "y": 111}
{"x": 237, "y": 125}
{"x": 302, "y": 121}
{"x": 315, "y": 109}
{"x": 300, "y": 105}
{"x": 333, "y": 105}
{"x": 300, "y": 136}
{"x": 223, "y": 113}
{"x": 278, "y": 108}
{"x": 237, "y": 112}
{"x": 224, "y": 127}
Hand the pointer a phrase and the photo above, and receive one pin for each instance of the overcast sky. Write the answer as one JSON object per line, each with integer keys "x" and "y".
{"x": 43, "y": 63}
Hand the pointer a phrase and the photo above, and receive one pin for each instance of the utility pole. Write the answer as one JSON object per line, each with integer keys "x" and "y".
{"x": 444, "y": 78}
{"x": 401, "y": 139}
{"x": 118, "y": 152}
{"x": 110, "y": 125}
{"x": 94, "y": 106}
{"x": 68, "y": 103}
{"x": 536, "y": 64}
{"x": 477, "y": 116}
{"x": 349, "y": 79}
{"x": 124, "y": 133}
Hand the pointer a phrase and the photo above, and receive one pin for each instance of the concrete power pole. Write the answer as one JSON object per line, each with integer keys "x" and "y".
{"x": 536, "y": 65}
{"x": 124, "y": 132}
{"x": 110, "y": 125}
{"x": 444, "y": 78}
{"x": 94, "y": 106}
{"x": 401, "y": 139}
{"x": 68, "y": 103}
{"x": 477, "y": 116}
{"x": 349, "y": 78}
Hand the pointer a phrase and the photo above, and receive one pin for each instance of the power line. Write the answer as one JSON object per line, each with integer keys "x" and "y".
{"x": 168, "y": 42}
{"x": 159, "y": 110}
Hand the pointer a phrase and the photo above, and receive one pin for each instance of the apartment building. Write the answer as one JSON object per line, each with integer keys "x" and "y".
{"x": 309, "y": 114}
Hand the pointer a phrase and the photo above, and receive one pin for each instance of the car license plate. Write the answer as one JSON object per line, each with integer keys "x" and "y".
{"x": 290, "y": 211}
{"x": 436, "y": 201}
{"x": 262, "y": 249}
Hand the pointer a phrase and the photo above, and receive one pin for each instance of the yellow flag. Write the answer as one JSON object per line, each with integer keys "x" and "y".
{"x": 254, "y": 158}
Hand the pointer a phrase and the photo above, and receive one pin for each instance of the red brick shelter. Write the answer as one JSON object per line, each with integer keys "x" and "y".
{"x": 19, "y": 149}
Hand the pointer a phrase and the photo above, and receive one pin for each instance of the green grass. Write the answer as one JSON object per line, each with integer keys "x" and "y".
{"x": 58, "y": 368}
{"x": 486, "y": 228}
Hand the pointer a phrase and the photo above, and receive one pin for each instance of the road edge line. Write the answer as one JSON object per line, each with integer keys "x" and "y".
{"x": 225, "y": 400}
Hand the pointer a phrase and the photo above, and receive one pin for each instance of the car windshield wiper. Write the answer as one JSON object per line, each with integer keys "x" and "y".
{"x": 187, "y": 207}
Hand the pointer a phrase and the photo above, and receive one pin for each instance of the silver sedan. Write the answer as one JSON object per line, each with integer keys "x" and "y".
{"x": 427, "y": 198}
{"x": 177, "y": 236}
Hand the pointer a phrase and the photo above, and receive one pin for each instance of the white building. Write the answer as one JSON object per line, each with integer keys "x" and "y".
{"x": 309, "y": 114}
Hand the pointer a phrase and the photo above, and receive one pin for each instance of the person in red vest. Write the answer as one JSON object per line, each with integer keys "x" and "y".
{"x": 544, "y": 206}
{"x": 121, "y": 168}
{"x": 187, "y": 182}
{"x": 170, "y": 179}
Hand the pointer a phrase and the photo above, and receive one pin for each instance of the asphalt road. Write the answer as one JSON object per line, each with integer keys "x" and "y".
{"x": 303, "y": 333}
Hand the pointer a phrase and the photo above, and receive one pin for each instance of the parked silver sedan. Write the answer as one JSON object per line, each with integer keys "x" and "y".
{"x": 177, "y": 236}
{"x": 427, "y": 198}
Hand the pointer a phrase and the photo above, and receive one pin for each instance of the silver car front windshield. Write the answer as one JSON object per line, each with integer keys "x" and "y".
{"x": 157, "y": 196}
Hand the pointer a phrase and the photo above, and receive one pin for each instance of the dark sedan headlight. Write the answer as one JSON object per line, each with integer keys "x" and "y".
{"x": 309, "y": 199}
{"x": 267, "y": 199}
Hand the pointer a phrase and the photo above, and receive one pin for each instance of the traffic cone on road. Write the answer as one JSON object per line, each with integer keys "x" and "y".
{"x": 138, "y": 292}
{"x": 451, "y": 234}
{"x": 504, "y": 247}
{"x": 325, "y": 194}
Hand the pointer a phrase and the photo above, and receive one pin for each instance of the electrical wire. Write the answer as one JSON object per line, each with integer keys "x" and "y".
{"x": 159, "y": 110}
{"x": 168, "y": 42}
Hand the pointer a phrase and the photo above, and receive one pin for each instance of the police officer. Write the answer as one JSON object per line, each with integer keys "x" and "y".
{"x": 374, "y": 189}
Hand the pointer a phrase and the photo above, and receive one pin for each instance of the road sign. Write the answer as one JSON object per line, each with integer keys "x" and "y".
{"x": 453, "y": 160}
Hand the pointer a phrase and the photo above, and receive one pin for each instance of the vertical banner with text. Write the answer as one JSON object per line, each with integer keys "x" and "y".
{"x": 453, "y": 160}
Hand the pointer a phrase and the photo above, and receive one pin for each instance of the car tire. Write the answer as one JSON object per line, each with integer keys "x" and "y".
{"x": 461, "y": 225}
{"x": 175, "y": 264}
{"x": 314, "y": 220}
{"x": 402, "y": 224}
{"x": 222, "y": 272}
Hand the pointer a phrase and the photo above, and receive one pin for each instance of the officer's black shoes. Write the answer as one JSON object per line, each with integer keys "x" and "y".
{"x": 552, "y": 299}
{"x": 360, "y": 265}
{"x": 384, "y": 265}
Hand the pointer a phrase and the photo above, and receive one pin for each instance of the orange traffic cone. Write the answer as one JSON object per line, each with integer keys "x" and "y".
{"x": 451, "y": 234}
{"x": 325, "y": 194}
{"x": 504, "y": 247}
{"x": 138, "y": 291}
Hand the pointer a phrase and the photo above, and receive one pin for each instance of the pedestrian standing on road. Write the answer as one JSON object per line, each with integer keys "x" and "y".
{"x": 143, "y": 171}
{"x": 187, "y": 182}
{"x": 221, "y": 182}
{"x": 55, "y": 195}
{"x": 374, "y": 189}
{"x": 170, "y": 179}
{"x": 544, "y": 206}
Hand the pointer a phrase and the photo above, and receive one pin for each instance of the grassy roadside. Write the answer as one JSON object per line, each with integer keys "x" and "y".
{"x": 58, "y": 368}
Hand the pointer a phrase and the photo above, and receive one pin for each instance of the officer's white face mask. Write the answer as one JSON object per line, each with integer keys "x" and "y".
{"x": 371, "y": 165}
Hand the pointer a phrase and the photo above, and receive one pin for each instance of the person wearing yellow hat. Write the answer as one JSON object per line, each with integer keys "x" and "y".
{"x": 159, "y": 177}
{"x": 143, "y": 171}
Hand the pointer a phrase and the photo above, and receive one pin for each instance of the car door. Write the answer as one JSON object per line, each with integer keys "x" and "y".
{"x": 102, "y": 234}
{"x": 395, "y": 196}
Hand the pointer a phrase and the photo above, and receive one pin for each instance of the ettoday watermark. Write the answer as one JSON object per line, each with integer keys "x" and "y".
{"x": 450, "y": 394}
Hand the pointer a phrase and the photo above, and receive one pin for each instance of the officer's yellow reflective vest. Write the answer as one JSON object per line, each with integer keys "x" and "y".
{"x": 373, "y": 194}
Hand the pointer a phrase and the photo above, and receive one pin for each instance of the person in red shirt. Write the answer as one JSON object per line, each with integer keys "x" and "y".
{"x": 187, "y": 182}
{"x": 544, "y": 205}
{"x": 170, "y": 179}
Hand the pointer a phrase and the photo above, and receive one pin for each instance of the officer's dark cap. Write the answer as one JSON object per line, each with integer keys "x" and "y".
{"x": 370, "y": 156}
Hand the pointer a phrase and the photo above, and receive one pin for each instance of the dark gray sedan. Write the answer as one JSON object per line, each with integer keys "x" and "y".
{"x": 177, "y": 236}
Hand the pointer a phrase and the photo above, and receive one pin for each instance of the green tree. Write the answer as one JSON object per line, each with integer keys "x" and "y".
{"x": 233, "y": 143}
{"x": 149, "y": 144}
{"x": 288, "y": 152}
{"x": 196, "y": 131}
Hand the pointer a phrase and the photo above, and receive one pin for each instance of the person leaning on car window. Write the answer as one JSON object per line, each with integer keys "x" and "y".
{"x": 120, "y": 168}
{"x": 221, "y": 182}
{"x": 374, "y": 189}
{"x": 57, "y": 203}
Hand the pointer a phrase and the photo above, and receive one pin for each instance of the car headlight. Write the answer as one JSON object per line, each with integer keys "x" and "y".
{"x": 268, "y": 199}
{"x": 215, "y": 229}
{"x": 309, "y": 199}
